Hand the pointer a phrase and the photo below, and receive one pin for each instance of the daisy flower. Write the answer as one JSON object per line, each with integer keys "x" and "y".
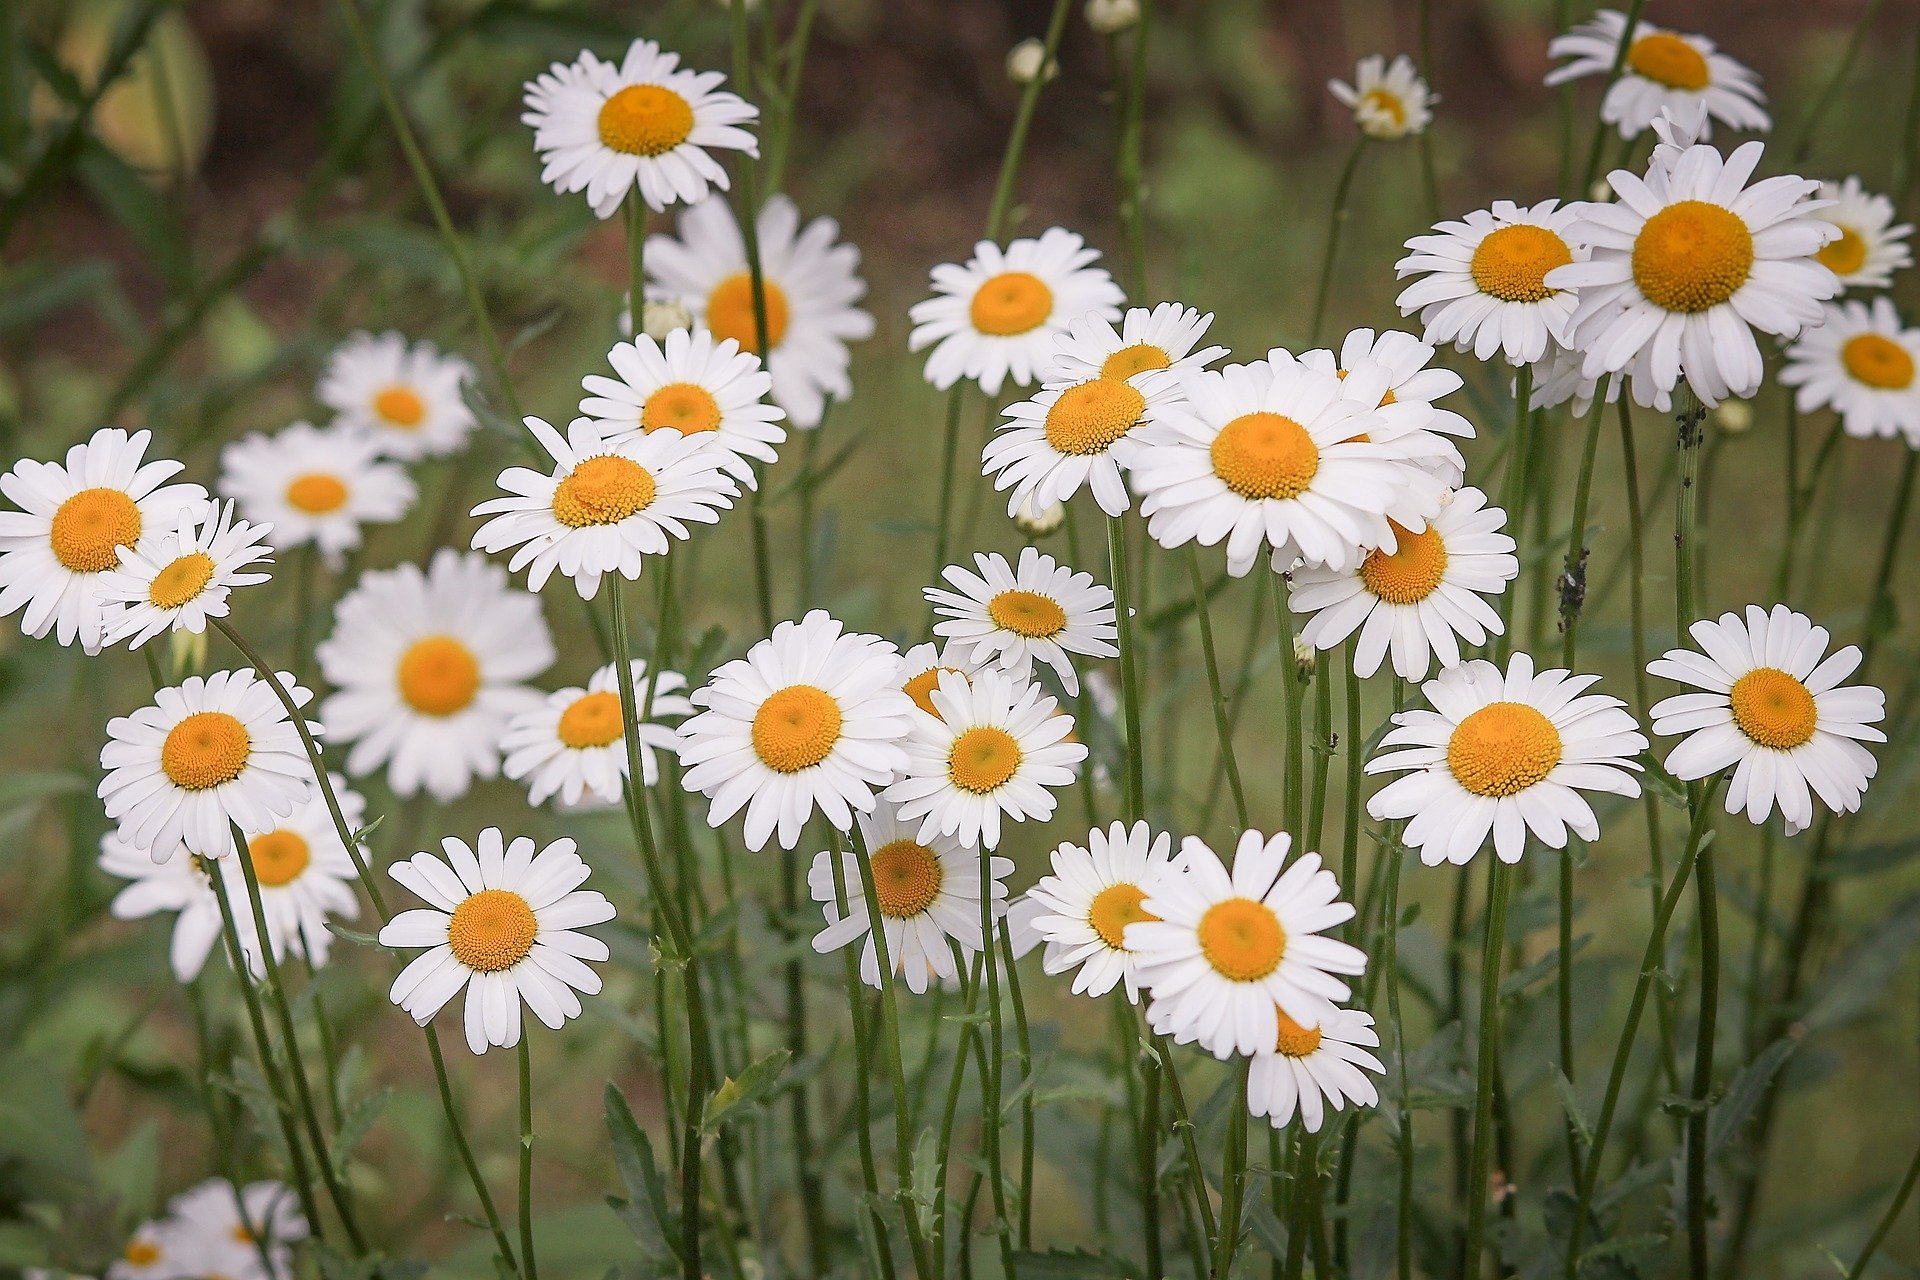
{"x": 179, "y": 885}
{"x": 1041, "y": 611}
{"x": 921, "y": 666}
{"x": 1860, "y": 363}
{"x": 179, "y": 580}
{"x": 1158, "y": 340}
{"x": 307, "y": 485}
{"x": 1869, "y": 248}
{"x": 606, "y": 506}
{"x": 1227, "y": 952}
{"x": 1663, "y": 70}
{"x": 642, "y": 123}
{"x": 1001, "y": 314}
{"x": 151, "y": 1253}
{"x": 306, "y": 875}
{"x": 691, "y": 384}
{"x": 1071, "y": 437}
{"x": 1405, "y": 365}
{"x": 810, "y": 719}
{"x": 1504, "y": 754}
{"x": 1389, "y": 100}
{"x": 1093, "y": 893}
{"x": 1560, "y": 378}
{"x": 405, "y": 396}
{"x": 808, "y": 277}
{"x": 502, "y": 922}
{"x": 430, "y": 667}
{"x": 574, "y": 744}
{"x": 75, "y": 520}
{"x": 218, "y": 1236}
{"x": 1483, "y": 280}
{"x": 1311, "y": 1067}
{"x": 1774, "y": 711}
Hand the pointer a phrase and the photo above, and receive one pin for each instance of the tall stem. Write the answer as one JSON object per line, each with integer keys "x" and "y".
{"x": 1514, "y": 496}
{"x": 1134, "y": 768}
{"x": 863, "y": 1102}
{"x": 1591, "y": 169}
{"x": 1222, "y": 726}
{"x": 990, "y": 1104}
{"x": 1499, "y": 886}
{"x": 1336, "y": 224}
{"x": 524, "y": 1056}
{"x": 1233, "y": 1175}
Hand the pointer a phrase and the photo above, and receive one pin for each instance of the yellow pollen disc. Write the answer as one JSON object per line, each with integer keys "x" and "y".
{"x": 142, "y": 1253}
{"x": 1294, "y": 1040}
{"x": 593, "y": 720}
{"x": 1138, "y": 358}
{"x": 316, "y": 493}
{"x": 795, "y": 728}
{"x": 1511, "y": 264}
{"x": 400, "y": 407}
{"x": 241, "y": 1235}
{"x": 1773, "y": 708}
{"x": 1088, "y": 418}
{"x": 279, "y": 857}
{"x": 90, "y": 528}
{"x": 1242, "y": 939}
{"x": 1502, "y": 749}
{"x": 205, "y": 750}
{"x": 921, "y": 687}
{"x": 1846, "y": 254}
{"x": 602, "y": 490}
{"x": 1027, "y": 613}
{"x": 982, "y": 759}
{"x": 730, "y": 311}
{"x": 686, "y": 407}
{"x": 1667, "y": 59}
{"x": 1113, "y": 909}
{"x": 1412, "y": 572}
{"x": 438, "y": 676}
{"x": 1265, "y": 455}
{"x": 1381, "y": 100}
{"x": 181, "y": 581}
{"x": 645, "y": 120}
{"x": 1010, "y": 303}
{"x": 492, "y": 930}
{"x": 906, "y": 878}
{"x": 1691, "y": 256}
{"x": 1878, "y": 362}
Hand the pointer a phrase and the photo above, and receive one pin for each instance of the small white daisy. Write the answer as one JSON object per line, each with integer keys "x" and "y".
{"x": 405, "y": 396}
{"x": 574, "y": 744}
{"x": 920, "y": 669}
{"x": 1093, "y": 893}
{"x": 149, "y": 1254}
{"x": 1483, "y": 280}
{"x": 710, "y": 390}
{"x": 1663, "y": 70}
{"x": 1041, "y": 611}
{"x": 306, "y": 876}
{"x": 1870, "y": 248}
{"x": 1309, "y": 1067}
{"x": 217, "y": 1236}
{"x": 1074, "y": 436}
{"x": 1158, "y": 340}
{"x": 177, "y": 581}
{"x": 1389, "y": 100}
{"x": 1405, "y": 364}
{"x": 309, "y": 485}
{"x": 1860, "y": 362}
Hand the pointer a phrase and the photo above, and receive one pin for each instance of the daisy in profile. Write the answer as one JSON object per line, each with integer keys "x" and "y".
{"x": 921, "y": 666}
{"x": 1073, "y": 437}
{"x": 808, "y": 276}
{"x": 927, "y": 892}
{"x": 244, "y": 1239}
{"x": 430, "y": 667}
{"x": 574, "y": 744}
{"x": 1772, "y": 709}
{"x": 1001, "y": 314}
{"x": 1163, "y": 339}
{"x": 1227, "y": 952}
{"x": 1869, "y": 248}
{"x": 1389, "y": 100}
{"x": 1860, "y": 362}
{"x": 180, "y": 579}
{"x": 691, "y": 384}
{"x": 504, "y": 923}
{"x": 75, "y": 520}
{"x": 1093, "y": 893}
{"x": 406, "y": 396}
{"x": 307, "y": 485}
{"x": 209, "y": 751}
{"x": 810, "y": 719}
{"x": 1503, "y": 755}
{"x": 1041, "y": 611}
{"x": 1482, "y": 283}
{"x": 997, "y": 744}
{"x": 1406, "y": 366}
{"x": 1309, "y": 1068}
{"x": 642, "y": 123}
{"x": 1664, "y": 70}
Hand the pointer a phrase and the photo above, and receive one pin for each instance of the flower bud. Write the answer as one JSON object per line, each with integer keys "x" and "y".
{"x": 1028, "y": 61}
{"x": 658, "y": 319}
{"x": 1109, "y": 17}
{"x": 1038, "y": 523}
{"x": 1734, "y": 416}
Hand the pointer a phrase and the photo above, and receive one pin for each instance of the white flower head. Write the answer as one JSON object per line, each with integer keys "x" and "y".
{"x": 1861, "y": 364}
{"x": 710, "y": 390}
{"x": 574, "y": 744}
{"x": 178, "y": 580}
{"x": 1663, "y": 71}
{"x": 1482, "y": 283}
{"x": 1309, "y": 1068}
{"x": 1092, "y": 894}
{"x": 309, "y": 485}
{"x": 1870, "y": 246}
{"x": 405, "y": 396}
{"x": 1389, "y": 100}
{"x": 1040, "y": 611}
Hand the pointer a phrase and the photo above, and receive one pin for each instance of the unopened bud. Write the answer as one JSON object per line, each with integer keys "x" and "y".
{"x": 1734, "y": 416}
{"x": 1304, "y": 657}
{"x": 1111, "y": 16}
{"x": 1041, "y": 521}
{"x": 1028, "y": 61}
{"x": 658, "y": 319}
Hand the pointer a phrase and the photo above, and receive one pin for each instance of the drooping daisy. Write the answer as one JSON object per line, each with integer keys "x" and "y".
{"x": 811, "y": 718}
{"x": 1870, "y": 248}
{"x": 180, "y": 579}
{"x": 1001, "y": 314}
{"x": 606, "y": 128}
{"x": 1094, "y": 892}
{"x": 179, "y": 885}
{"x": 920, "y": 669}
{"x": 502, "y": 922}
{"x": 309, "y": 485}
{"x": 996, "y": 744}
{"x": 1483, "y": 280}
{"x": 76, "y": 518}
{"x": 574, "y": 744}
{"x": 606, "y": 506}
{"x": 430, "y": 667}
{"x": 1080, "y": 435}
{"x": 691, "y": 384}
{"x": 405, "y": 396}
{"x": 1774, "y": 711}
{"x": 1162, "y": 339}
{"x": 1309, "y": 1067}
{"x": 1860, "y": 362}
{"x": 1664, "y": 70}
{"x": 1226, "y": 952}
{"x": 1504, "y": 754}
{"x": 1389, "y": 100}
{"x": 1041, "y": 611}
{"x": 810, "y": 282}
{"x": 1406, "y": 365}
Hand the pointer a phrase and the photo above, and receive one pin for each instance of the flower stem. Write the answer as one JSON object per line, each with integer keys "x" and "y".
{"x": 1295, "y": 797}
{"x": 1591, "y": 169}
{"x": 990, "y": 1099}
{"x": 1222, "y": 727}
{"x": 863, "y": 1093}
{"x": 524, "y": 1055}
{"x": 1134, "y": 768}
{"x": 1336, "y": 224}
{"x": 1233, "y": 1176}
{"x": 1514, "y": 497}
{"x": 1499, "y": 887}
{"x": 1885, "y": 1225}
{"x": 1023, "y": 1047}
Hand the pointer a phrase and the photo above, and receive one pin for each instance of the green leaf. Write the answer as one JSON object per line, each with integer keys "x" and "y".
{"x": 1745, "y": 1092}
{"x": 1570, "y": 1100}
{"x": 355, "y": 1124}
{"x": 739, "y": 1094}
{"x": 645, "y": 1208}
{"x": 1854, "y": 984}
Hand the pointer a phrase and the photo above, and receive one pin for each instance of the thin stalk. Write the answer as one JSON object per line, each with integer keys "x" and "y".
{"x": 1598, "y": 142}
{"x": 990, "y": 1104}
{"x": 524, "y": 1056}
{"x": 1222, "y": 727}
{"x": 1295, "y": 797}
{"x": 863, "y": 1094}
{"x": 1129, "y": 171}
{"x": 1350, "y": 831}
{"x": 1403, "y": 1136}
{"x": 1126, "y": 1039}
{"x": 1514, "y": 498}
{"x": 1885, "y": 1225}
{"x": 1023, "y": 1048}
{"x": 1134, "y": 768}
{"x": 1233, "y": 1177}
{"x": 1336, "y": 224}
{"x": 1324, "y": 747}
{"x": 1499, "y": 887}
{"x": 1810, "y": 123}
{"x": 502, "y": 1247}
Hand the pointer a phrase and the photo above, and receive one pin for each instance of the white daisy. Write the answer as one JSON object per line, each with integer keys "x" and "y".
{"x": 1483, "y": 280}
{"x": 149, "y": 1254}
{"x": 1663, "y": 70}
{"x": 1504, "y": 754}
{"x": 1774, "y": 711}
{"x": 1404, "y": 363}
{"x": 177, "y": 581}
{"x": 1227, "y": 952}
{"x": 217, "y": 1236}
{"x": 1389, "y": 100}
{"x": 710, "y": 390}
{"x": 811, "y": 718}
{"x": 605, "y": 128}
{"x": 1001, "y": 314}
{"x": 430, "y": 667}
{"x": 1162, "y": 339}
{"x": 1309, "y": 1067}
{"x": 405, "y": 396}
{"x": 1074, "y": 436}
{"x": 1870, "y": 248}
{"x": 179, "y": 885}
{"x": 1860, "y": 363}
{"x": 1093, "y": 893}
{"x": 574, "y": 744}
{"x": 309, "y": 485}
{"x": 1041, "y": 611}
{"x": 920, "y": 669}
{"x": 807, "y": 276}
{"x": 504, "y": 923}
{"x": 75, "y": 519}
{"x": 1560, "y": 379}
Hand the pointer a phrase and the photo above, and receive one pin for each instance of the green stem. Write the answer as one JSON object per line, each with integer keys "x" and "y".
{"x": 1134, "y": 768}
{"x": 863, "y": 1094}
{"x": 1810, "y": 124}
{"x": 1233, "y": 1176}
{"x": 1336, "y": 223}
{"x": 1222, "y": 728}
{"x": 1514, "y": 498}
{"x": 991, "y": 1118}
{"x": 1403, "y": 1136}
{"x": 524, "y": 1056}
{"x": 1499, "y": 886}
{"x": 1594, "y": 147}
{"x": 503, "y": 1248}
{"x": 1885, "y": 1225}
{"x": 1295, "y": 797}
{"x": 1023, "y": 1048}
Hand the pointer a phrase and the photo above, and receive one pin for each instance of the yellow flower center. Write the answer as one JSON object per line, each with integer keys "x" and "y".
{"x": 921, "y": 687}
{"x": 1113, "y": 909}
{"x": 205, "y": 750}
{"x": 1088, "y": 418}
{"x": 795, "y": 728}
{"x": 730, "y": 311}
{"x": 602, "y": 490}
{"x": 982, "y": 759}
{"x": 1010, "y": 303}
{"x": 1027, "y": 613}
{"x": 1773, "y": 708}
{"x": 1138, "y": 358}
{"x": 1878, "y": 362}
{"x": 400, "y": 407}
{"x": 645, "y": 120}
{"x": 1412, "y": 572}
{"x": 592, "y": 720}
{"x": 316, "y": 493}
{"x": 1666, "y": 59}
{"x": 438, "y": 676}
{"x": 1691, "y": 256}
{"x": 687, "y": 407}
{"x": 1502, "y": 749}
{"x": 492, "y": 930}
{"x": 1846, "y": 254}
{"x": 906, "y": 878}
{"x": 1294, "y": 1040}
{"x": 1511, "y": 264}
{"x": 90, "y": 528}
{"x": 279, "y": 857}
{"x": 181, "y": 580}
{"x": 142, "y": 1253}
{"x": 1242, "y": 939}
{"x": 1265, "y": 455}
{"x": 1388, "y": 104}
